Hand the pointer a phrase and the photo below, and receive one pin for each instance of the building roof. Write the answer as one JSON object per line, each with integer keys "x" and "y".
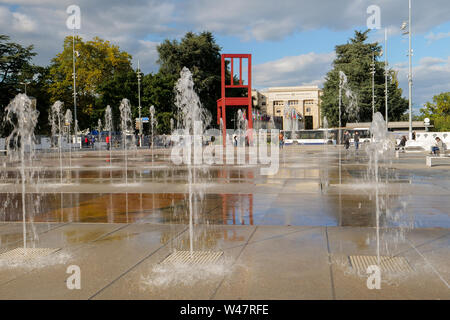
{"x": 392, "y": 124}
{"x": 284, "y": 89}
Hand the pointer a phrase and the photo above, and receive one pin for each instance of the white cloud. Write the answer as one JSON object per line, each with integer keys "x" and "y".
{"x": 272, "y": 20}
{"x": 431, "y": 37}
{"x": 126, "y": 23}
{"x": 431, "y": 76}
{"x": 305, "y": 69}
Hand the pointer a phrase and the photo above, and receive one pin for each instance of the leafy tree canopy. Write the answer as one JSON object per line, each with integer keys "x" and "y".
{"x": 354, "y": 59}
{"x": 98, "y": 62}
{"x": 201, "y": 55}
{"x": 438, "y": 111}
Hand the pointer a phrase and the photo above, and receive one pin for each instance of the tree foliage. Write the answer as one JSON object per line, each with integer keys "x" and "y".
{"x": 98, "y": 64}
{"x": 17, "y": 73}
{"x": 201, "y": 55}
{"x": 14, "y": 58}
{"x": 355, "y": 58}
{"x": 438, "y": 111}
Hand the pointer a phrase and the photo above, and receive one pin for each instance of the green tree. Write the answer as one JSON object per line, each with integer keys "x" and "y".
{"x": 98, "y": 62}
{"x": 111, "y": 92}
{"x": 201, "y": 55}
{"x": 37, "y": 81}
{"x": 14, "y": 58}
{"x": 438, "y": 111}
{"x": 355, "y": 58}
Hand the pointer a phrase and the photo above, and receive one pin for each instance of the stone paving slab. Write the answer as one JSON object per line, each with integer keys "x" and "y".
{"x": 422, "y": 283}
{"x": 263, "y": 262}
{"x": 281, "y": 263}
{"x": 100, "y": 263}
{"x": 68, "y": 237}
{"x": 150, "y": 281}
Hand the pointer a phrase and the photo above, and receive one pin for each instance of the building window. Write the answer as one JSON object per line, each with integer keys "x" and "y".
{"x": 293, "y": 102}
{"x": 308, "y": 109}
{"x": 309, "y": 102}
{"x": 278, "y": 103}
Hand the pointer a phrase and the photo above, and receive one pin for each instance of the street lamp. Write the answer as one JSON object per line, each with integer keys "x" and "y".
{"x": 138, "y": 72}
{"x": 386, "y": 76}
{"x": 408, "y": 32}
{"x": 25, "y": 84}
{"x": 341, "y": 83}
{"x": 372, "y": 65}
{"x": 75, "y": 54}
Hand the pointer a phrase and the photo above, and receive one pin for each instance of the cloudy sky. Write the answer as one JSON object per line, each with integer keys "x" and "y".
{"x": 291, "y": 41}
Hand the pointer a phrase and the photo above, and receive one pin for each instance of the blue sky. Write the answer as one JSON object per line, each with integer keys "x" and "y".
{"x": 291, "y": 41}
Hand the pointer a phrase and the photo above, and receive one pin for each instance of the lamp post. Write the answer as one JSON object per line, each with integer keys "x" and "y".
{"x": 25, "y": 84}
{"x": 386, "y": 76}
{"x": 410, "y": 53}
{"x": 139, "y": 102}
{"x": 372, "y": 65}
{"x": 341, "y": 83}
{"x": 75, "y": 53}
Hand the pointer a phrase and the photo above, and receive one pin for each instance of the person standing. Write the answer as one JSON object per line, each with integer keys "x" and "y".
{"x": 107, "y": 143}
{"x": 346, "y": 140}
{"x": 356, "y": 139}
{"x": 281, "y": 138}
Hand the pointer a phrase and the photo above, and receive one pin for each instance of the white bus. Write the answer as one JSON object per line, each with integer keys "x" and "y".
{"x": 310, "y": 137}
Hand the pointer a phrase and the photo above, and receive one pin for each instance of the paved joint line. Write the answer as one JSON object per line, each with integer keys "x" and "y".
{"x": 234, "y": 262}
{"x": 429, "y": 263}
{"x": 61, "y": 249}
{"x": 333, "y": 291}
{"x": 15, "y": 243}
{"x": 274, "y": 237}
{"x": 109, "y": 233}
{"x": 135, "y": 265}
{"x": 423, "y": 244}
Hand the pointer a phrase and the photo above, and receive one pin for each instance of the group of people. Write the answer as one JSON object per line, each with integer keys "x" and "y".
{"x": 347, "y": 138}
{"x": 435, "y": 149}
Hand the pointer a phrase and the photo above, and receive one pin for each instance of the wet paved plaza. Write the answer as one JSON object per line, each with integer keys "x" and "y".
{"x": 286, "y": 236}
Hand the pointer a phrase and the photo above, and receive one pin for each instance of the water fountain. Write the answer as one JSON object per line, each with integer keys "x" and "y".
{"x": 99, "y": 129}
{"x": 171, "y": 125}
{"x": 126, "y": 126}
{"x": 68, "y": 122}
{"x": 153, "y": 123}
{"x": 352, "y": 108}
{"x": 55, "y": 117}
{"x": 290, "y": 120}
{"x": 20, "y": 144}
{"x": 325, "y": 181}
{"x": 379, "y": 149}
{"x": 192, "y": 120}
{"x": 109, "y": 128}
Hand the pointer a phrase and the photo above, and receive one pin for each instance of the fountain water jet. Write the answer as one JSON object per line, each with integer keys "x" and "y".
{"x": 379, "y": 148}
{"x": 21, "y": 145}
{"x": 153, "y": 123}
{"x": 108, "y": 127}
{"x": 55, "y": 120}
{"x": 126, "y": 126}
{"x": 68, "y": 121}
{"x": 191, "y": 119}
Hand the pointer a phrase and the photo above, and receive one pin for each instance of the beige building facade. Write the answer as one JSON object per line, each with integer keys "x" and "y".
{"x": 305, "y": 100}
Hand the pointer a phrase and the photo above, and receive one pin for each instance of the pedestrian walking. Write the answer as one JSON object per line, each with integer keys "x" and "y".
{"x": 356, "y": 139}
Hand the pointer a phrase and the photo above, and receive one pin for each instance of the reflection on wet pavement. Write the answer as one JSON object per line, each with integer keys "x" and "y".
{"x": 312, "y": 188}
